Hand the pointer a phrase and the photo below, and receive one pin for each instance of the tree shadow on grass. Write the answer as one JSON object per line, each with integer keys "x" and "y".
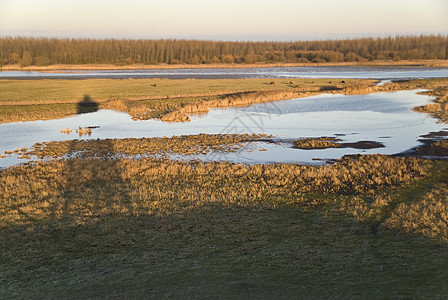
{"x": 233, "y": 251}
{"x": 87, "y": 184}
{"x": 87, "y": 105}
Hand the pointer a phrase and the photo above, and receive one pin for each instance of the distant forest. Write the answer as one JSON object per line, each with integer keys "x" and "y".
{"x": 47, "y": 51}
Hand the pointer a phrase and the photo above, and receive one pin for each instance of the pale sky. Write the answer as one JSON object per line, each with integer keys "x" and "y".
{"x": 222, "y": 20}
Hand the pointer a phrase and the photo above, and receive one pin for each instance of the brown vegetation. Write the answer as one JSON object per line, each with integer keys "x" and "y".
{"x": 179, "y": 112}
{"x": 427, "y": 216}
{"x": 245, "y": 98}
{"x": 419, "y": 209}
{"x": 134, "y": 108}
{"x": 66, "y": 131}
{"x": 439, "y": 109}
{"x": 35, "y": 192}
{"x": 317, "y": 143}
{"x": 331, "y": 142}
{"x": 432, "y": 148}
{"x": 162, "y": 147}
{"x": 84, "y": 131}
{"x": 24, "y": 113}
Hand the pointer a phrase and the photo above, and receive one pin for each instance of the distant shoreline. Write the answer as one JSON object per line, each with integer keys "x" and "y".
{"x": 403, "y": 63}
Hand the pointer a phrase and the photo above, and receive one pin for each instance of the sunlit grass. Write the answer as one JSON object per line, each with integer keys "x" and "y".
{"x": 31, "y": 99}
{"x": 19, "y": 92}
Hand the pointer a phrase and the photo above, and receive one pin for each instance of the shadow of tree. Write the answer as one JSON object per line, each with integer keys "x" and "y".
{"x": 86, "y": 176}
{"x": 203, "y": 250}
{"x": 87, "y": 105}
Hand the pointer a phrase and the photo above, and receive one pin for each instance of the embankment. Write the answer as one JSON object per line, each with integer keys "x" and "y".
{"x": 379, "y": 63}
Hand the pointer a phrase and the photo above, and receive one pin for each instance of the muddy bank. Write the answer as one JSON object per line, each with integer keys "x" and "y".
{"x": 430, "y": 149}
{"x": 434, "y": 146}
{"x": 247, "y": 98}
{"x": 437, "y": 88}
{"x": 331, "y": 142}
{"x": 404, "y": 63}
{"x": 117, "y": 148}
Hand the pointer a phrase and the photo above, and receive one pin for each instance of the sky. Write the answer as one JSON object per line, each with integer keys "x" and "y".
{"x": 252, "y": 20}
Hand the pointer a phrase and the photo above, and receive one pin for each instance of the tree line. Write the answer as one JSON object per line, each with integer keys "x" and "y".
{"x": 46, "y": 51}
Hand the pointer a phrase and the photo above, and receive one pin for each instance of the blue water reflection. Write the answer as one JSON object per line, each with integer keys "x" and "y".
{"x": 382, "y": 117}
{"x": 382, "y": 73}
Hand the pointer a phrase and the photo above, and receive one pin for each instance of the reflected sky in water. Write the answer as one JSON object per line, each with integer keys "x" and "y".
{"x": 382, "y": 117}
{"x": 382, "y": 73}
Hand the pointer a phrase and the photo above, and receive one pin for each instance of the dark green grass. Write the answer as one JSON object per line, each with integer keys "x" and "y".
{"x": 278, "y": 248}
{"x": 223, "y": 253}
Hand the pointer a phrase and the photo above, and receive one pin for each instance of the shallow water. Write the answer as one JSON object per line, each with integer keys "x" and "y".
{"x": 382, "y": 117}
{"x": 382, "y": 73}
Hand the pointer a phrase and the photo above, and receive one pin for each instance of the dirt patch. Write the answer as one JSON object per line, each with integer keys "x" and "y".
{"x": 435, "y": 135}
{"x": 363, "y": 145}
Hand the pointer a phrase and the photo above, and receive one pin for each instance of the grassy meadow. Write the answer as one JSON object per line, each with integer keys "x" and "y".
{"x": 55, "y": 91}
{"x": 46, "y": 99}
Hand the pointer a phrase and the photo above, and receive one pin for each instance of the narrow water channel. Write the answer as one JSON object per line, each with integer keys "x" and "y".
{"x": 378, "y": 72}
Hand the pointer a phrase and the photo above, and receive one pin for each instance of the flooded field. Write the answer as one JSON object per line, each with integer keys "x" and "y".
{"x": 384, "y": 118}
{"x": 382, "y": 73}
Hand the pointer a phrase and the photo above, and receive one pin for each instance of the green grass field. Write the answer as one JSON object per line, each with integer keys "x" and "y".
{"x": 25, "y": 92}
{"x": 22, "y": 100}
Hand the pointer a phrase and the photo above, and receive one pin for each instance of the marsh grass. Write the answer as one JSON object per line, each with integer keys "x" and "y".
{"x": 101, "y": 227}
{"x": 318, "y": 143}
{"x": 36, "y": 188}
{"x": 163, "y": 147}
{"x": 181, "y": 113}
{"x": 12, "y": 113}
{"x": 428, "y": 216}
{"x": 421, "y": 208}
{"x": 332, "y": 142}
